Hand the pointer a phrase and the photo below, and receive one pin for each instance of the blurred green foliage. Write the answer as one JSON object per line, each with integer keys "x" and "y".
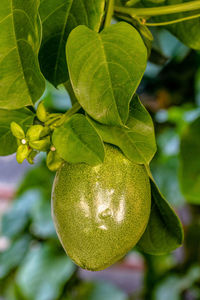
{"x": 35, "y": 267}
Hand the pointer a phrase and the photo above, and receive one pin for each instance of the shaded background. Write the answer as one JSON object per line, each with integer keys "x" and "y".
{"x": 33, "y": 265}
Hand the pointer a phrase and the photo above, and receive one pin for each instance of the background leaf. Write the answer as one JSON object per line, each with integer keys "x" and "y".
{"x": 13, "y": 256}
{"x": 42, "y": 224}
{"x": 17, "y": 218}
{"x": 21, "y": 82}
{"x": 137, "y": 139}
{"x": 96, "y": 291}
{"x": 58, "y": 19}
{"x": 173, "y": 286}
{"x": 190, "y": 162}
{"x": 164, "y": 231}
{"x": 24, "y": 117}
{"x": 43, "y": 273}
{"x": 77, "y": 141}
{"x": 106, "y": 69}
{"x": 187, "y": 32}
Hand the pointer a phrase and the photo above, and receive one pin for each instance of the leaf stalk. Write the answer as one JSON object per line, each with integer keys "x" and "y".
{"x": 158, "y": 11}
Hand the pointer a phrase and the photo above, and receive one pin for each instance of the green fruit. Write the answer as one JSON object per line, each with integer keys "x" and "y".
{"x": 100, "y": 212}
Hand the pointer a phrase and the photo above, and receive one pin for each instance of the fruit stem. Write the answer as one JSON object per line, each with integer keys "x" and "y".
{"x": 75, "y": 108}
{"x": 173, "y": 21}
{"x": 161, "y": 10}
{"x": 109, "y": 14}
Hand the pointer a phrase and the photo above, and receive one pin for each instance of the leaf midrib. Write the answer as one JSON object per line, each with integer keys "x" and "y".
{"x": 84, "y": 143}
{"x": 108, "y": 72}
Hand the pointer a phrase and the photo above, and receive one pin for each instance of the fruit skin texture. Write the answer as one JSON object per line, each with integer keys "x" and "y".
{"x": 100, "y": 212}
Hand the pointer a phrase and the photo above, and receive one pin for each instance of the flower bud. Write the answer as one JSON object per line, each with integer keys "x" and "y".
{"x": 54, "y": 162}
{"x": 46, "y": 131}
{"x": 41, "y": 112}
{"x": 33, "y": 133}
{"x": 32, "y": 154}
{"x": 17, "y": 130}
{"x": 40, "y": 145}
{"x": 22, "y": 153}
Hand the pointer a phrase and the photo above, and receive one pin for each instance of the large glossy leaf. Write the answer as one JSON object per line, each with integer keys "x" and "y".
{"x": 136, "y": 139}
{"x": 77, "y": 141}
{"x": 24, "y": 117}
{"x": 164, "y": 231}
{"x": 188, "y": 31}
{"x": 105, "y": 70}
{"x": 44, "y": 273}
{"x": 190, "y": 162}
{"x": 21, "y": 82}
{"x": 59, "y": 17}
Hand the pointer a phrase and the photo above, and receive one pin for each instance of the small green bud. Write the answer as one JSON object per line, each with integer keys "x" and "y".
{"x": 33, "y": 133}
{"x": 22, "y": 153}
{"x": 46, "y": 131}
{"x": 54, "y": 162}
{"x": 41, "y": 112}
{"x": 41, "y": 145}
{"x": 32, "y": 154}
{"x": 53, "y": 148}
{"x": 17, "y": 130}
{"x": 18, "y": 142}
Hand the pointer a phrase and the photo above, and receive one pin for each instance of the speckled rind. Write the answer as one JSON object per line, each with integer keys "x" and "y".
{"x": 100, "y": 212}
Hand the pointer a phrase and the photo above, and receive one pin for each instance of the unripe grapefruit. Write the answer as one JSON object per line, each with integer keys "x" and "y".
{"x": 101, "y": 212}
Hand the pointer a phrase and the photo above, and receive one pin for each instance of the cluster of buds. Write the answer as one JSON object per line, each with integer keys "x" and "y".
{"x": 36, "y": 139}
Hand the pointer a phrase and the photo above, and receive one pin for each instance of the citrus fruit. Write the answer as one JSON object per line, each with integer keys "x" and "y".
{"x": 100, "y": 212}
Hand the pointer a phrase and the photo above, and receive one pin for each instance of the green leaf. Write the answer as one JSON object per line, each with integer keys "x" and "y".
{"x": 174, "y": 285}
{"x": 105, "y": 70}
{"x": 15, "y": 220}
{"x": 190, "y": 163}
{"x": 24, "y": 117}
{"x": 44, "y": 272}
{"x": 21, "y": 82}
{"x": 77, "y": 141}
{"x": 96, "y": 291}
{"x": 187, "y": 32}
{"x": 33, "y": 181}
{"x": 41, "y": 221}
{"x": 58, "y": 19}
{"x": 164, "y": 231}
{"x": 137, "y": 139}
{"x": 13, "y": 256}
